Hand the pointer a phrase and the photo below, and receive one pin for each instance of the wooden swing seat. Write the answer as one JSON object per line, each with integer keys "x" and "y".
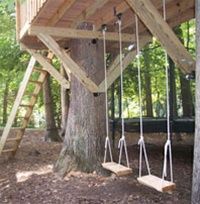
{"x": 157, "y": 183}
{"x": 117, "y": 169}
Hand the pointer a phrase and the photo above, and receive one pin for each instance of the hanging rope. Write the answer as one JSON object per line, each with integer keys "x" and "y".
{"x": 141, "y": 142}
{"x": 167, "y": 147}
{"x": 122, "y": 141}
{"x": 107, "y": 142}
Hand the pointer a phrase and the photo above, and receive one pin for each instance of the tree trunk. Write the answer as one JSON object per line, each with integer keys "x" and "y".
{"x": 64, "y": 103}
{"x": 147, "y": 84}
{"x": 196, "y": 166}
{"x": 51, "y": 129}
{"x": 5, "y": 102}
{"x": 172, "y": 81}
{"x": 85, "y": 130}
{"x": 186, "y": 95}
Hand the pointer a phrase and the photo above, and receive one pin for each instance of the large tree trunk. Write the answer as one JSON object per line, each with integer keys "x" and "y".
{"x": 196, "y": 165}
{"x": 51, "y": 129}
{"x": 85, "y": 131}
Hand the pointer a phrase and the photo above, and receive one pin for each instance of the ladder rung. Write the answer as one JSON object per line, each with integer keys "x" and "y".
{"x": 36, "y": 82}
{"x": 23, "y": 117}
{"x": 26, "y": 105}
{"x": 13, "y": 139}
{"x": 8, "y": 150}
{"x": 40, "y": 70}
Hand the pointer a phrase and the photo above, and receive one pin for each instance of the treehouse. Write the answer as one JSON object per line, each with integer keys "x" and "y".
{"x": 51, "y": 25}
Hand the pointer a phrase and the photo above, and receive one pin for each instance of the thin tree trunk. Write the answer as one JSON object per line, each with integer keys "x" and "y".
{"x": 51, "y": 129}
{"x": 186, "y": 94}
{"x": 147, "y": 84}
{"x": 172, "y": 81}
{"x": 5, "y": 102}
{"x": 85, "y": 131}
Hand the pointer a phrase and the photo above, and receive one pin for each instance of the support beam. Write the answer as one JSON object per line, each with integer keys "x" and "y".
{"x": 114, "y": 70}
{"x": 161, "y": 30}
{"x": 68, "y": 63}
{"x": 48, "y": 67}
{"x": 79, "y": 34}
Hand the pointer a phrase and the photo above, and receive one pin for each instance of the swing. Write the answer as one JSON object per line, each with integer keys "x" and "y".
{"x": 116, "y": 168}
{"x": 159, "y": 184}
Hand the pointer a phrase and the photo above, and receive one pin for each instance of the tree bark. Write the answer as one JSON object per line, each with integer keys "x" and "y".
{"x": 51, "y": 129}
{"x": 196, "y": 163}
{"x": 85, "y": 128}
{"x": 186, "y": 95}
{"x": 147, "y": 84}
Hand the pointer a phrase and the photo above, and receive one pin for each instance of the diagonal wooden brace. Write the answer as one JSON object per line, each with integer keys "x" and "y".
{"x": 49, "y": 68}
{"x": 161, "y": 30}
{"x": 68, "y": 63}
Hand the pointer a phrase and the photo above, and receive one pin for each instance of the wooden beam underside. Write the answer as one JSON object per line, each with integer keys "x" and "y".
{"x": 161, "y": 30}
{"x": 79, "y": 34}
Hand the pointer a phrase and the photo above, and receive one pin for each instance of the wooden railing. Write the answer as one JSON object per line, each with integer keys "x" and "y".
{"x": 26, "y": 11}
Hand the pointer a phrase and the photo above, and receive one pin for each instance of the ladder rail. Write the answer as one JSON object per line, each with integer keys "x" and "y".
{"x": 17, "y": 102}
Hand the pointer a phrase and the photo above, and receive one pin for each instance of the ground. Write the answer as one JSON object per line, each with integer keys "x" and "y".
{"x": 29, "y": 178}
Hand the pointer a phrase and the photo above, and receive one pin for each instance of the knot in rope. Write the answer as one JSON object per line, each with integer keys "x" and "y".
{"x": 122, "y": 139}
{"x": 167, "y": 145}
{"x": 141, "y": 140}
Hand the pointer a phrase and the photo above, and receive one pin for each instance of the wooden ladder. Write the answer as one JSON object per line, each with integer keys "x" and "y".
{"x": 9, "y": 144}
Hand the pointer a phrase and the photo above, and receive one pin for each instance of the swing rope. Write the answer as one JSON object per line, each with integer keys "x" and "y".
{"x": 107, "y": 141}
{"x": 141, "y": 142}
{"x": 167, "y": 147}
{"x": 122, "y": 141}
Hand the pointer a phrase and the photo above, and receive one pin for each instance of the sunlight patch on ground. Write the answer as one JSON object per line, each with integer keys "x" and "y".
{"x": 22, "y": 176}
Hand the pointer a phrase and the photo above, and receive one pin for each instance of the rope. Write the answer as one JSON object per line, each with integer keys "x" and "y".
{"x": 122, "y": 142}
{"x": 167, "y": 147}
{"x": 107, "y": 142}
{"x": 141, "y": 142}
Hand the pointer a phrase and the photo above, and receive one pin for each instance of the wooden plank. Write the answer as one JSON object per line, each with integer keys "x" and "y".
{"x": 117, "y": 169}
{"x": 8, "y": 150}
{"x": 68, "y": 63}
{"x": 17, "y": 102}
{"x": 161, "y": 30}
{"x": 157, "y": 183}
{"x": 61, "y": 12}
{"x": 48, "y": 67}
{"x": 79, "y": 34}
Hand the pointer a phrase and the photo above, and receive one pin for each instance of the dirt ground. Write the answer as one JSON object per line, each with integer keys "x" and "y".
{"x": 29, "y": 178}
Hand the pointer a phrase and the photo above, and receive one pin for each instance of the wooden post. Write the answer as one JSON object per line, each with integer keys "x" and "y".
{"x": 196, "y": 167}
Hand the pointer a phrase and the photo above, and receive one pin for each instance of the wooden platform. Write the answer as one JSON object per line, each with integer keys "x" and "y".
{"x": 157, "y": 183}
{"x": 69, "y": 14}
{"x": 117, "y": 169}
